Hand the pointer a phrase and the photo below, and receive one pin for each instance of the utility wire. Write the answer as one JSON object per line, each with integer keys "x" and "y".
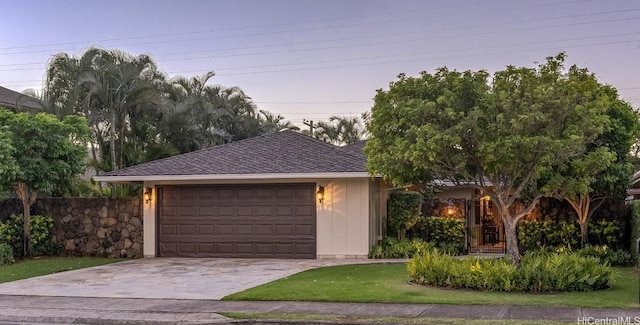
{"x": 307, "y": 29}
{"x": 362, "y": 37}
{"x": 414, "y": 40}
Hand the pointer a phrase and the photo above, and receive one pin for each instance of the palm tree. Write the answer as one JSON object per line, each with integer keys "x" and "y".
{"x": 270, "y": 122}
{"x": 119, "y": 85}
{"x": 340, "y": 130}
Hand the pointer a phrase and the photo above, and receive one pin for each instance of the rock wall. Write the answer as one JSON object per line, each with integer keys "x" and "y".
{"x": 90, "y": 226}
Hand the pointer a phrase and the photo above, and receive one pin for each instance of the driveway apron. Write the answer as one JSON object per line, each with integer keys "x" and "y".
{"x": 167, "y": 278}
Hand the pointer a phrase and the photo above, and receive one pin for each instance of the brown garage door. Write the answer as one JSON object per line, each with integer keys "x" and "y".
{"x": 270, "y": 221}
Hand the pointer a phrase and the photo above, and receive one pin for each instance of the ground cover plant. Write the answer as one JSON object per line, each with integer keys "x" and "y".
{"x": 47, "y": 265}
{"x": 390, "y": 283}
{"x": 539, "y": 272}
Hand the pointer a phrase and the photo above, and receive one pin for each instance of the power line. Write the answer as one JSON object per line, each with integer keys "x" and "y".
{"x": 316, "y": 28}
{"x": 235, "y": 28}
{"x": 414, "y": 40}
{"x": 384, "y": 35}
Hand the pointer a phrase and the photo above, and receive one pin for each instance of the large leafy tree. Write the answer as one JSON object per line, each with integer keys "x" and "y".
{"x": 46, "y": 155}
{"x": 605, "y": 169}
{"x": 501, "y": 135}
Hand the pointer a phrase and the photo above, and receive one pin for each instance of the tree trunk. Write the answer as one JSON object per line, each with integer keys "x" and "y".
{"x": 584, "y": 233}
{"x": 28, "y": 198}
{"x": 113, "y": 142}
{"x": 511, "y": 239}
{"x": 582, "y": 206}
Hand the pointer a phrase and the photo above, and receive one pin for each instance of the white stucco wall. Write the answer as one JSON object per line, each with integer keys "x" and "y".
{"x": 343, "y": 219}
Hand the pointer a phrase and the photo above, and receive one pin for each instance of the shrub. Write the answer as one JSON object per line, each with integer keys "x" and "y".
{"x": 635, "y": 228}
{"x": 11, "y": 232}
{"x": 445, "y": 233}
{"x": 606, "y": 255}
{"x": 548, "y": 272}
{"x": 533, "y": 234}
{"x": 604, "y": 232}
{"x": 392, "y": 248}
{"x": 404, "y": 212}
{"x": 6, "y": 254}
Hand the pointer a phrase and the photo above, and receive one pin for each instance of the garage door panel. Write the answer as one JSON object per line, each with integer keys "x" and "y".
{"x": 225, "y": 210}
{"x": 206, "y": 211}
{"x": 168, "y": 229}
{"x": 244, "y": 210}
{"x": 284, "y": 230}
{"x": 205, "y": 248}
{"x": 242, "y": 230}
{"x": 304, "y": 230}
{"x": 304, "y": 249}
{"x": 284, "y": 211}
{"x": 264, "y": 193}
{"x": 223, "y": 248}
{"x": 264, "y": 210}
{"x": 264, "y": 230}
{"x": 225, "y": 194}
{"x": 305, "y": 193}
{"x": 244, "y": 248}
{"x": 225, "y": 230}
{"x": 187, "y": 247}
{"x": 169, "y": 248}
{"x": 269, "y": 221}
{"x": 207, "y": 230}
{"x": 187, "y": 230}
{"x": 187, "y": 211}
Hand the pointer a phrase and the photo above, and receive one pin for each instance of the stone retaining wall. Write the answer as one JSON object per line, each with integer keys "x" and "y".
{"x": 90, "y": 226}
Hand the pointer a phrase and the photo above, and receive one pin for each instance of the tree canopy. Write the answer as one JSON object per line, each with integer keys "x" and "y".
{"x": 137, "y": 114}
{"x": 41, "y": 154}
{"x": 502, "y": 134}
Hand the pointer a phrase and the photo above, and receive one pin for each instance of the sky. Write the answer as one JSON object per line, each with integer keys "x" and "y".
{"x": 309, "y": 60}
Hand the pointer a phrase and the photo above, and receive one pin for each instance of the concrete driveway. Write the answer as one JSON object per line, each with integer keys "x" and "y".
{"x": 167, "y": 278}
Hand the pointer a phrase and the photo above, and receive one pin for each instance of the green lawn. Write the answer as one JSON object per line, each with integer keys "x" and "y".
{"x": 47, "y": 265}
{"x": 388, "y": 283}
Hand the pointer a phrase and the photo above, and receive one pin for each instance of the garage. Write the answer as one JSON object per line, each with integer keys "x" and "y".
{"x": 244, "y": 221}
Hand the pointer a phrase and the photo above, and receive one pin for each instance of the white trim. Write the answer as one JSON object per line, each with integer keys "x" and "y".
{"x": 228, "y": 177}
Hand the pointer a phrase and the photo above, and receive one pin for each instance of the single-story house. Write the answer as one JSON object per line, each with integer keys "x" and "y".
{"x": 15, "y": 100}
{"x": 280, "y": 195}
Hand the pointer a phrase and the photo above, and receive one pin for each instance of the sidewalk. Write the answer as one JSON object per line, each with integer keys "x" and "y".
{"x": 68, "y": 310}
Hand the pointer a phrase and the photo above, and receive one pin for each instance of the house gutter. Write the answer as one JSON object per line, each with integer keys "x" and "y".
{"x": 155, "y": 178}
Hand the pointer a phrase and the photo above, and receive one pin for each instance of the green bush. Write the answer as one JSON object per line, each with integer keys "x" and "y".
{"x": 390, "y": 247}
{"x": 11, "y": 231}
{"x": 6, "y": 254}
{"x": 538, "y": 272}
{"x": 606, "y": 255}
{"x": 635, "y": 227}
{"x": 404, "y": 212}
{"x": 604, "y": 232}
{"x": 448, "y": 234}
{"x": 533, "y": 234}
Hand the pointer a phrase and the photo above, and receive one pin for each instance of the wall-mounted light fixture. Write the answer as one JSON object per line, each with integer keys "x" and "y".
{"x": 147, "y": 194}
{"x": 320, "y": 193}
{"x": 451, "y": 208}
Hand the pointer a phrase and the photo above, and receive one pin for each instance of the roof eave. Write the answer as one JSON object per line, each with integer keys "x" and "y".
{"x": 150, "y": 178}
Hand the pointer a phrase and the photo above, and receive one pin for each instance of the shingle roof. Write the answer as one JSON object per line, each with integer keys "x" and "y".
{"x": 275, "y": 153}
{"x": 355, "y": 148}
{"x": 11, "y": 99}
